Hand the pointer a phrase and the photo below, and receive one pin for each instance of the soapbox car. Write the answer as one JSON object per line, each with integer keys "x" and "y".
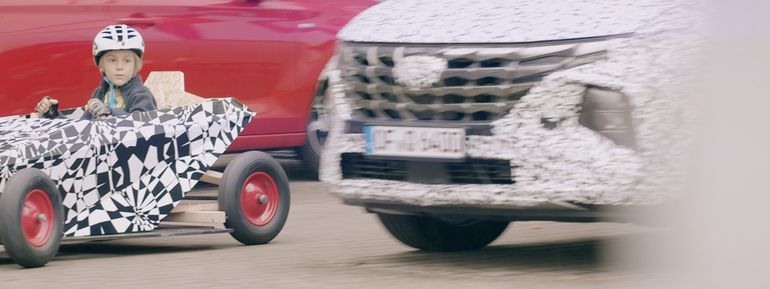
{"x": 66, "y": 179}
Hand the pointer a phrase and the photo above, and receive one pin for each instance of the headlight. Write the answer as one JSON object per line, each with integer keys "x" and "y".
{"x": 608, "y": 112}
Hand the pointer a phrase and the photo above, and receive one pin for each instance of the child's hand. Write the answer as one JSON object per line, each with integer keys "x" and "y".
{"x": 45, "y": 105}
{"x": 96, "y": 108}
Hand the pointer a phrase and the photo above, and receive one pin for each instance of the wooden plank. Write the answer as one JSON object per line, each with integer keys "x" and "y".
{"x": 223, "y": 160}
{"x": 163, "y": 231}
{"x": 205, "y": 193}
{"x": 208, "y": 217}
{"x": 212, "y": 177}
{"x": 195, "y": 205}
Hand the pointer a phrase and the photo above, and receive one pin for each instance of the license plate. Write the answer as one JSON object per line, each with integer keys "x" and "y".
{"x": 421, "y": 142}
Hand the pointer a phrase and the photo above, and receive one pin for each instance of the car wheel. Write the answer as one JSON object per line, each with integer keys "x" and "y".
{"x": 31, "y": 218}
{"x": 433, "y": 234}
{"x": 317, "y": 131}
{"x": 254, "y": 193}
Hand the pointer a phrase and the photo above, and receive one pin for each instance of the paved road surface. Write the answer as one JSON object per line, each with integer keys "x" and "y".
{"x": 329, "y": 245}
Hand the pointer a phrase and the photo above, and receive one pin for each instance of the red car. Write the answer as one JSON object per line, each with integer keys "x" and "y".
{"x": 266, "y": 53}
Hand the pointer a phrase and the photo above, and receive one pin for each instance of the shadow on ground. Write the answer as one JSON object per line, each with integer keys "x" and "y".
{"x": 562, "y": 255}
{"x": 92, "y": 250}
{"x": 576, "y": 256}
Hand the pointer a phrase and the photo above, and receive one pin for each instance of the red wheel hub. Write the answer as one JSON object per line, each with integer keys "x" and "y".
{"x": 37, "y": 218}
{"x": 259, "y": 198}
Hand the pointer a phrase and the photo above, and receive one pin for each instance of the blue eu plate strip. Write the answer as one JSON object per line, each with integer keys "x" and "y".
{"x": 369, "y": 141}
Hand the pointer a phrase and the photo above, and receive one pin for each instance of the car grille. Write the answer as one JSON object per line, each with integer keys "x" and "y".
{"x": 470, "y": 171}
{"x": 481, "y": 83}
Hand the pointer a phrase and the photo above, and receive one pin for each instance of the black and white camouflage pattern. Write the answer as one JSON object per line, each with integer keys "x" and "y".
{"x": 568, "y": 163}
{"x": 122, "y": 174}
{"x": 496, "y": 21}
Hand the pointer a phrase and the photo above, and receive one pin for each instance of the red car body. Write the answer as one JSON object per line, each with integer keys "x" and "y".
{"x": 268, "y": 53}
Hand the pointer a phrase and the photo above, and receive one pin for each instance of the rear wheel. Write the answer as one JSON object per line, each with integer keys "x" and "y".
{"x": 254, "y": 193}
{"x": 31, "y": 218}
{"x": 434, "y": 234}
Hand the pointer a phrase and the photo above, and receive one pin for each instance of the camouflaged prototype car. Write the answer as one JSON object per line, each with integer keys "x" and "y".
{"x": 451, "y": 119}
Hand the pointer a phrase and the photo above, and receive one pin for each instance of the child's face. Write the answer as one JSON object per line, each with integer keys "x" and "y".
{"x": 118, "y": 66}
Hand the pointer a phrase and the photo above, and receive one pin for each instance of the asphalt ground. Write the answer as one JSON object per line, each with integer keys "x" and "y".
{"x": 326, "y": 244}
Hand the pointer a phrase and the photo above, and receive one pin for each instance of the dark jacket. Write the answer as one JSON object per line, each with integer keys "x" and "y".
{"x": 137, "y": 97}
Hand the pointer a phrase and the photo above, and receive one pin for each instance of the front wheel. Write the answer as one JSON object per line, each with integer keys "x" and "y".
{"x": 434, "y": 234}
{"x": 254, "y": 193}
{"x": 317, "y": 130}
{"x": 31, "y": 218}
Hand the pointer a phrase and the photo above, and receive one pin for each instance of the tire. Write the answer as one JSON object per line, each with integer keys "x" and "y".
{"x": 317, "y": 131}
{"x": 31, "y": 237}
{"x": 254, "y": 193}
{"x": 431, "y": 234}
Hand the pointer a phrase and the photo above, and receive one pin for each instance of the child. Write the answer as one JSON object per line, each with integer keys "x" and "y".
{"x": 118, "y": 51}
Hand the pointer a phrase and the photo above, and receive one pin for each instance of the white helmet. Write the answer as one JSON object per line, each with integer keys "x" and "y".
{"x": 117, "y": 37}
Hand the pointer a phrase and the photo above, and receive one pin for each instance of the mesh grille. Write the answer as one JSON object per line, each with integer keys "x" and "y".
{"x": 481, "y": 83}
{"x": 354, "y": 166}
{"x": 471, "y": 171}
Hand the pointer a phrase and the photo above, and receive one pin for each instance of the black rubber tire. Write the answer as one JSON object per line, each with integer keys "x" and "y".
{"x": 11, "y": 205}
{"x": 233, "y": 178}
{"x": 311, "y": 159}
{"x": 317, "y": 130}
{"x": 431, "y": 234}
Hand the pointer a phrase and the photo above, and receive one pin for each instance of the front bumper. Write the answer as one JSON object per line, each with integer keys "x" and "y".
{"x": 540, "y": 172}
{"x": 558, "y": 211}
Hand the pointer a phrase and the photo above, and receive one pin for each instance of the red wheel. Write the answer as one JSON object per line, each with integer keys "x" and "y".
{"x": 254, "y": 193}
{"x": 37, "y": 218}
{"x": 31, "y": 218}
{"x": 259, "y": 198}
